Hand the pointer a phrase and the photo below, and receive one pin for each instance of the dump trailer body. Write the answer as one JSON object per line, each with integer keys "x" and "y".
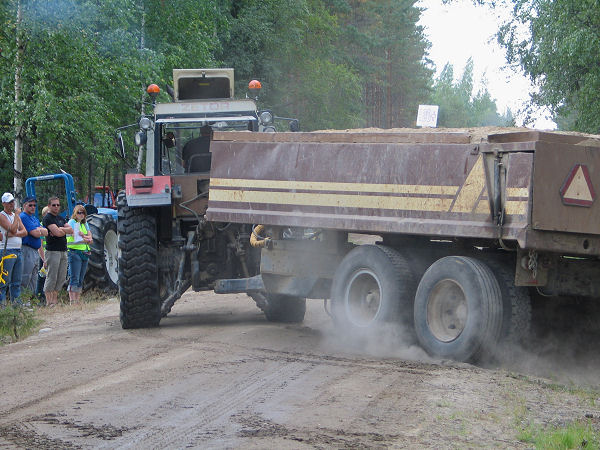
{"x": 472, "y": 225}
{"x": 534, "y": 188}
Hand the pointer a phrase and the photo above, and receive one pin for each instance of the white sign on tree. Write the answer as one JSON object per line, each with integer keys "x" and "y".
{"x": 427, "y": 116}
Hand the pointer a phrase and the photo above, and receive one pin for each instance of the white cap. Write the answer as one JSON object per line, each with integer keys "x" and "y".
{"x": 7, "y": 197}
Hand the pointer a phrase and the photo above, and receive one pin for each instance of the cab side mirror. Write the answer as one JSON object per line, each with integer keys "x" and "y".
{"x": 120, "y": 145}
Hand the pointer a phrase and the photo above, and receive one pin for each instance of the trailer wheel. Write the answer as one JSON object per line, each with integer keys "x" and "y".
{"x": 103, "y": 263}
{"x": 373, "y": 284}
{"x": 516, "y": 304}
{"x": 458, "y": 309}
{"x": 284, "y": 308}
{"x": 138, "y": 272}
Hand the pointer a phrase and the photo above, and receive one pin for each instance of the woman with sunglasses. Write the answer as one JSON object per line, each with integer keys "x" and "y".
{"x": 78, "y": 245}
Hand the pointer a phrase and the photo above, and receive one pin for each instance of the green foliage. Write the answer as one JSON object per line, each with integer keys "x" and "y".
{"x": 289, "y": 46}
{"x": 575, "y": 435}
{"x": 458, "y": 106}
{"x": 387, "y": 49}
{"x": 84, "y": 65}
{"x": 78, "y": 79}
{"x": 557, "y": 44}
{"x": 16, "y": 323}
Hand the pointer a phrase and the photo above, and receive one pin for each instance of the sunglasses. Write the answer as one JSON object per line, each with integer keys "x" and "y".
{"x": 55, "y": 204}
{"x": 30, "y": 204}
{"x": 80, "y": 212}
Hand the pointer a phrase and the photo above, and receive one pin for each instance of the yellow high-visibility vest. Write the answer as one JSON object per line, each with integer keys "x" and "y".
{"x": 79, "y": 245}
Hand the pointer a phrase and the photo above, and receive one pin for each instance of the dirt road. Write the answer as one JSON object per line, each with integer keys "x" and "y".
{"x": 217, "y": 375}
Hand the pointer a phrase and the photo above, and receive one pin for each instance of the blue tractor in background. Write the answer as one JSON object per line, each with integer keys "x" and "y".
{"x": 102, "y": 270}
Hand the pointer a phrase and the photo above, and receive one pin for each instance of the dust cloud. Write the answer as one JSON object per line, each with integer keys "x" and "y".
{"x": 563, "y": 350}
{"x": 388, "y": 341}
{"x": 564, "y": 342}
{"x": 563, "y": 345}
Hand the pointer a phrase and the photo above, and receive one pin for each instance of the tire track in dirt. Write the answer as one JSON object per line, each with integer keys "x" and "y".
{"x": 217, "y": 408}
{"x": 282, "y": 367}
{"x": 156, "y": 360}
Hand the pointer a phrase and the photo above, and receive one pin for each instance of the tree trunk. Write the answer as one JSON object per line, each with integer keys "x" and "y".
{"x": 90, "y": 181}
{"x": 18, "y": 155}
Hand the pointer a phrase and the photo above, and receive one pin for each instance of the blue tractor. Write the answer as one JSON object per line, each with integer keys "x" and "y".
{"x": 102, "y": 270}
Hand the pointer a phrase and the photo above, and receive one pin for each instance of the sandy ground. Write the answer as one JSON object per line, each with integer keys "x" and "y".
{"x": 215, "y": 374}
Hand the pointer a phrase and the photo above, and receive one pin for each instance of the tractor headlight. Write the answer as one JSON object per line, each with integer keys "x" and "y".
{"x": 140, "y": 138}
{"x": 145, "y": 123}
{"x": 266, "y": 117}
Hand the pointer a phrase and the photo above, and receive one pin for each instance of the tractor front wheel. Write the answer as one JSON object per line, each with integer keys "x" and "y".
{"x": 138, "y": 266}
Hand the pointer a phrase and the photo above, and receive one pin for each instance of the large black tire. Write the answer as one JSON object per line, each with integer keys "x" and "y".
{"x": 458, "y": 309}
{"x": 103, "y": 270}
{"x": 284, "y": 308}
{"x": 138, "y": 272}
{"x": 372, "y": 285}
{"x": 516, "y": 303}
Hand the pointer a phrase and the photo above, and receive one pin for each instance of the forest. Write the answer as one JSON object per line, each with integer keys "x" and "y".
{"x": 73, "y": 71}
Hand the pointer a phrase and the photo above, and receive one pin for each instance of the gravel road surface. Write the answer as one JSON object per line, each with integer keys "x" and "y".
{"x": 216, "y": 374}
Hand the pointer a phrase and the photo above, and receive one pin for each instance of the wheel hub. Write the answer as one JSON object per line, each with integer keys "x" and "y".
{"x": 111, "y": 255}
{"x": 363, "y": 298}
{"x": 447, "y": 310}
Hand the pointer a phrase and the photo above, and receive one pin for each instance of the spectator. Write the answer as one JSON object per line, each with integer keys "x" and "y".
{"x": 32, "y": 249}
{"x": 12, "y": 231}
{"x": 56, "y": 251}
{"x": 79, "y": 252}
{"x": 41, "y": 277}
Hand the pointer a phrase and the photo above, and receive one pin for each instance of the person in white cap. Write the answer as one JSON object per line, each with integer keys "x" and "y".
{"x": 12, "y": 231}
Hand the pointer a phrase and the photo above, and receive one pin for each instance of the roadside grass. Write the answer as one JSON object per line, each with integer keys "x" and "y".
{"x": 581, "y": 434}
{"x": 17, "y": 323}
{"x": 590, "y": 395}
{"x": 89, "y": 300}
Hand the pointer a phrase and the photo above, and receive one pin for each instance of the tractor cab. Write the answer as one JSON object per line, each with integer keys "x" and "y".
{"x": 179, "y": 135}
{"x": 183, "y": 130}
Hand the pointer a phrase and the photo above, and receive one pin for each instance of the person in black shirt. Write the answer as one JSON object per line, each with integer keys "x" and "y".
{"x": 56, "y": 251}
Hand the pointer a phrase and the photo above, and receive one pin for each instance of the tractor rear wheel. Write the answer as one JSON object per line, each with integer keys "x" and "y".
{"x": 102, "y": 270}
{"x": 138, "y": 271}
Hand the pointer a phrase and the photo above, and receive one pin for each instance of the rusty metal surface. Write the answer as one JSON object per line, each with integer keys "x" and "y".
{"x": 192, "y": 186}
{"x": 431, "y": 189}
{"x": 300, "y": 258}
{"x": 526, "y": 146}
{"x": 566, "y": 243}
{"x": 542, "y": 136}
{"x": 414, "y": 137}
{"x": 552, "y": 166}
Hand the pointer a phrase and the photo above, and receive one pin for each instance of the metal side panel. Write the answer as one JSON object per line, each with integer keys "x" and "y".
{"x": 156, "y": 193}
{"x": 566, "y": 181}
{"x": 432, "y": 189}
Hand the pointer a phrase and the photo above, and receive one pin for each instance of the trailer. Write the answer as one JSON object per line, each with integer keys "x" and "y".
{"x": 469, "y": 224}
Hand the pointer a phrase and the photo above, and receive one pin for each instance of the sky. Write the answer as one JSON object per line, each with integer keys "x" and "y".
{"x": 461, "y": 30}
